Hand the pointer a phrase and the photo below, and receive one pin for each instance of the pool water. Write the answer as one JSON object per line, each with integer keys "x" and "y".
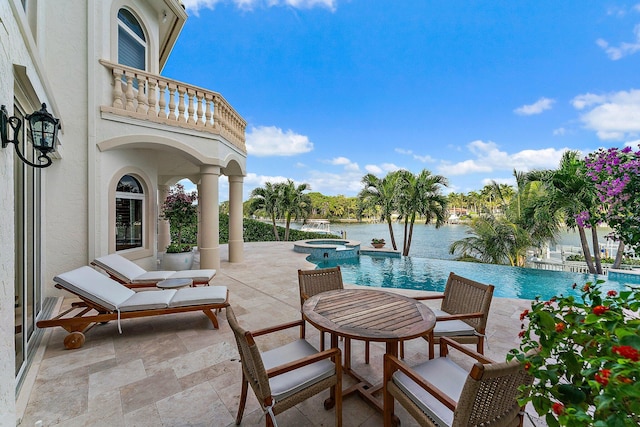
{"x": 431, "y": 275}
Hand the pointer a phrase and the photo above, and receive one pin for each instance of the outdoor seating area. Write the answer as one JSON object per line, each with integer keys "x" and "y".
{"x": 179, "y": 370}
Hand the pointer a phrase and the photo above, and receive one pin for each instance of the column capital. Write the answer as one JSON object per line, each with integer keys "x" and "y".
{"x": 209, "y": 170}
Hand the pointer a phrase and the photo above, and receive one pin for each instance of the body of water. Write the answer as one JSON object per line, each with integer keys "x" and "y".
{"x": 430, "y": 263}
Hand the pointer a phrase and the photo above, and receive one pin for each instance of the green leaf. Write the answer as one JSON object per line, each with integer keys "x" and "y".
{"x": 571, "y": 394}
{"x": 551, "y": 420}
{"x": 547, "y": 321}
{"x": 632, "y": 339}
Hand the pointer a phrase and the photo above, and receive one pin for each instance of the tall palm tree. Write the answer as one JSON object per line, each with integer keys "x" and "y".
{"x": 570, "y": 192}
{"x": 293, "y": 202}
{"x": 266, "y": 198}
{"x": 381, "y": 194}
{"x": 420, "y": 195}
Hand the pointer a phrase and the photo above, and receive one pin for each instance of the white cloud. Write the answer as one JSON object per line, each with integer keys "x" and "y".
{"x": 488, "y": 158}
{"x": 559, "y": 131}
{"x": 195, "y": 5}
{"x": 343, "y": 161}
{"x": 263, "y": 141}
{"x": 537, "y": 107}
{"x": 374, "y": 169}
{"x": 622, "y": 50}
{"x": 614, "y": 116}
{"x": 424, "y": 159}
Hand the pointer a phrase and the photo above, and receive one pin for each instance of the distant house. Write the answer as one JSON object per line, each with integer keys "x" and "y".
{"x": 127, "y": 135}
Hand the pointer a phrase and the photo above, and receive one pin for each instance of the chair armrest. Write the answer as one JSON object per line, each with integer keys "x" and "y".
{"x": 330, "y": 353}
{"x": 276, "y": 328}
{"x": 429, "y": 297}
{"x": 392, "y": 364}
{"x": 460, "y": 316}
{"x": 446, "y": 342}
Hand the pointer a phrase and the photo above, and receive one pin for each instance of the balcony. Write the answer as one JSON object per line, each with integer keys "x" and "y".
{"x": 141, "y": 95}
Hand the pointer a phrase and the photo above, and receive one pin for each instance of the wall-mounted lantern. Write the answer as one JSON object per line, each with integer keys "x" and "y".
{"x": 43, "y": 128}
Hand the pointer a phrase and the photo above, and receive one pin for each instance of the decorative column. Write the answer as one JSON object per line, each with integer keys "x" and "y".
{"x": 236, "y": 241}
{"x": 164, "y": 233}
{"x": 209, "y": 217}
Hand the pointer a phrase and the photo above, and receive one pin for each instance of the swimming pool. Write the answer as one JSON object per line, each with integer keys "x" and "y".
{"x": 431, "y": 275}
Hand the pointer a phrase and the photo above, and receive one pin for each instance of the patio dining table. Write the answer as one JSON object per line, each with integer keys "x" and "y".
{"x": 368, "y": 315}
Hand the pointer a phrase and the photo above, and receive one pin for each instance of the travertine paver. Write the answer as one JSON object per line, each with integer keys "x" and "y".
{"x": 177, "y": 370}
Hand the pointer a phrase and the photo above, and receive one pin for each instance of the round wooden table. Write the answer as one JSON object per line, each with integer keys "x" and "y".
{"x": 368, "y": 315}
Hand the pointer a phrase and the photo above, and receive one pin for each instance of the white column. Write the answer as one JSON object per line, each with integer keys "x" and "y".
{"x": 209, "y": 220}
{"x": 164, "y": 233}
{"x": 236, "y": 241}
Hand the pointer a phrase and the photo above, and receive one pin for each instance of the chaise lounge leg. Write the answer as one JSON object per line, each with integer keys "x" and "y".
{"x": 243, "y": 399}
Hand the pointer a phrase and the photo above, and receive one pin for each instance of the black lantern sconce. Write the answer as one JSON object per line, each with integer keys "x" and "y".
{"x": 44, "y": 132}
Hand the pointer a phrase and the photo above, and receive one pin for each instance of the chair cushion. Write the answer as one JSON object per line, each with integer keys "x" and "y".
{"x": 95, "y": 287}
{"x": 148, "y": 300}
{"x": 444, "y": 375}
{"x": 291, "y": 382}
{"x": 197, "y": 296}
{"x": 449, "y": 328}
{"x": 197, "y": 276}
{"x": 120, "y": 267}
{"x": 152, "y": 277}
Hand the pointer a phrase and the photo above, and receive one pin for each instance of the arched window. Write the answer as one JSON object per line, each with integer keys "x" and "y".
{"x": 129, "y": 213}
{"x": 132, "y": 45}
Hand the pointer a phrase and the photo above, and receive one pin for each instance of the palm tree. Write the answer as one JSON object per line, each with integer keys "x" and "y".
{"x": 420, "y": 195}
{"x": 569, "y": 192}
{"x": 293, "y": 202}
{"x": 380, "y": 193}
{"x": 266, "y": 198}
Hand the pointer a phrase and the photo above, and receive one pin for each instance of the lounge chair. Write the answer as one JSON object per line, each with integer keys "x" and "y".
{"x": 132, "y": 275}
{"x": 104, "y": 300}
{"x": 440, "y": 393}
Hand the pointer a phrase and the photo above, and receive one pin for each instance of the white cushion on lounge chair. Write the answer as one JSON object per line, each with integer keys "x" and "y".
{"x": 197, "y": 296}
{"x": 129, "y": 272}
{"x": 195, "y": 275}
{"x": 446, "y": 328}
{"x": 444, "y": 375}
{"x": 100, "y": 289}
{"x": 148, "y": 300}
{"x": 94, "y": 286}
{"x": 289, "y": 383}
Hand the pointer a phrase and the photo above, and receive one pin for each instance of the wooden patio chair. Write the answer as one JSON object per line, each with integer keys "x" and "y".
{"x": 102, "y": 300}
{"x": 313, "y": 282}
{"x": 132, "y": 275}
{"x": 463, "y": 313}
{"x": 287, "y": 375}
{"x": 441, "y": 393}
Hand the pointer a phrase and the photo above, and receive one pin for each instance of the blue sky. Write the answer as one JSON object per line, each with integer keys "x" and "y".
{"x": 335, "y": 89}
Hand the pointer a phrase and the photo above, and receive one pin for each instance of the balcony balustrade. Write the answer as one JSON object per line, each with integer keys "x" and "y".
{"x": 142, "y": 95}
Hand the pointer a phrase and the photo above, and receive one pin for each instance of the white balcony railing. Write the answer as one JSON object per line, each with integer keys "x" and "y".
{"x": 146, "y": 96}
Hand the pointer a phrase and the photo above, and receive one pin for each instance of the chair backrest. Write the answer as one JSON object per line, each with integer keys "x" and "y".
{"x": 252, "y": 365}
{"x": 490, "y": 394}
{"x": 94, "y": 287}
{"x": 119, "y": 267}
{"x": 312, "y": 282}
{"x": 462, "y": 295}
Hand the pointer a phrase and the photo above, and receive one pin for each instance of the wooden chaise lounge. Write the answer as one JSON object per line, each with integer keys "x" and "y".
{"x": 132, "y": 275}
{"x": 103, "y": 300}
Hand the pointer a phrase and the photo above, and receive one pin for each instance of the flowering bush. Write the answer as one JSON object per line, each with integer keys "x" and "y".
{"x": 375, "y": 241}
{"x": 616, "y": 175}
{"x": 587, "y": 370}
{"x": 179, "y": 209}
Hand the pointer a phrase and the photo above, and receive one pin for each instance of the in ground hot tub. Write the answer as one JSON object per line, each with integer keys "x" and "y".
{"x": 328, "y": 249}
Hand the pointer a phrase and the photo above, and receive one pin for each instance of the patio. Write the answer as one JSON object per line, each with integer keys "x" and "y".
{"x": 176, "y": 370}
